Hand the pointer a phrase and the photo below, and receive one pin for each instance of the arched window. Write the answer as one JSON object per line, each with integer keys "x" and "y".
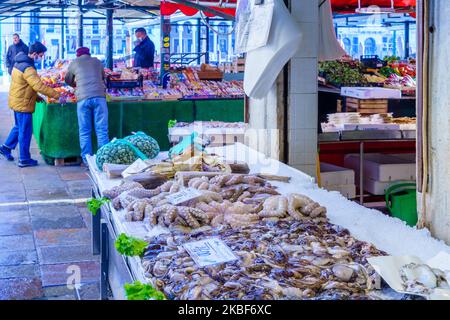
{"x": 223, "y": 28}
{"x": 370, "y": 46}
{"x": 188, "y": 27}
{"x": 223, "y": 38}
{"x": 347, "y": 45}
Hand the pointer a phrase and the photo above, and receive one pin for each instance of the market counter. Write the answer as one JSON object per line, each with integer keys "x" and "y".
{"x": 387, "y": 234}
{"x": 55, "y": 127}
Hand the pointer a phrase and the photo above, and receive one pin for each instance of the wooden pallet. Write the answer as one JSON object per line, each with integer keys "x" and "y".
{"x": 367, "y": 106}
{"x": 65, "y": 162}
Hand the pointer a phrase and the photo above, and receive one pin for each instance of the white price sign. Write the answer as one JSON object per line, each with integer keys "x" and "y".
{"x": 253, "y": 22}
{"x": 209, "y": 252}
{"x": 184, "y": 196}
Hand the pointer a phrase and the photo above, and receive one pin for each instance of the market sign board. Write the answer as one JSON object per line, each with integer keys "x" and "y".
{"x": 209, "y": 252}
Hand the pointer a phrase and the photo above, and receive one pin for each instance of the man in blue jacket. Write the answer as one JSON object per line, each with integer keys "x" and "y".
{"x": 13, "y": 50}
{"x": 145, "y": 50}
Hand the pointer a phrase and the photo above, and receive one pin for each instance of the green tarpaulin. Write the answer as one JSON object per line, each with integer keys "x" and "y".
{"x": 55, "y": 127}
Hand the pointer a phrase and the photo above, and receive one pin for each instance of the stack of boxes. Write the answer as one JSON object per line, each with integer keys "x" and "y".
{"x": 380, "y": 170}
{"x": 238, "y": 65}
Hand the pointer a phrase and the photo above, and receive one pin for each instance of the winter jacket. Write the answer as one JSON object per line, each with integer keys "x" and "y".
{"x": 87, "y": 75}
{"x": 13, "y": 50}
{"x": 25, "y": 84}
{"x": 145, "y": 54}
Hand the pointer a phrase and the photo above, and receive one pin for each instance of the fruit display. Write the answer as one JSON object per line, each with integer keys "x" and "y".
{"x": 54, "y": 77}
{"x": 184, "y": 83}
{"x": 67, "y": 92}
{"x": 115, "y": 94}
{"x": 187, "y": 82}
{"x": 396, "y": 74}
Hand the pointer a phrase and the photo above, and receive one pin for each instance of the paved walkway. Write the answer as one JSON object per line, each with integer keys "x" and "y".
{"x": 43, "y": 238}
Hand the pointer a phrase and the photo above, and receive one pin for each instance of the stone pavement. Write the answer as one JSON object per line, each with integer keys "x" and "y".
{"x": 43, "y": 239}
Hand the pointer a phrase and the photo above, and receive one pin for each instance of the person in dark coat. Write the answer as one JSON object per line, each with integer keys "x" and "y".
{"x": 144, "y": 51}
{"x": 13, "y": 50}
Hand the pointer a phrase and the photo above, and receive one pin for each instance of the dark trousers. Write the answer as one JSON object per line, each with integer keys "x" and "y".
{"x": 21, "y": 134}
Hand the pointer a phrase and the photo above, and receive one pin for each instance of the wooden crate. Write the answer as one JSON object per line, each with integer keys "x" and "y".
{"x": 367, "y": 106}
{"x": 210, "y": 75}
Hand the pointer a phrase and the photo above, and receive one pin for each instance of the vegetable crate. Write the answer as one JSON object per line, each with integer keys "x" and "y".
{"x": 366, "y": 106}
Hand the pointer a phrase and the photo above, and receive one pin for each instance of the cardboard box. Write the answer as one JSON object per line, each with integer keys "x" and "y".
{"x": 381, "y": 167}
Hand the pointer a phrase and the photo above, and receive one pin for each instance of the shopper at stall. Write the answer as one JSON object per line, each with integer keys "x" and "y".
{"x": 87, "y": 75}
{"x": 13, "y": 50}
{"x": 144, "y": 51}
{"x": 25, "y": 84}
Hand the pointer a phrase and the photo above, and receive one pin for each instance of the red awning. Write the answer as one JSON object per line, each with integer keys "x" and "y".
{"x": 349, "y": 6}
{"x": 339, "y": 6}
{"x": 169, "y": 8}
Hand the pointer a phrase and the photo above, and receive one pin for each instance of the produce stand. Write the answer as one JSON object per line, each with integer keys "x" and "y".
{"x": 55, "y": 127}
{"x": 118, "y": 270}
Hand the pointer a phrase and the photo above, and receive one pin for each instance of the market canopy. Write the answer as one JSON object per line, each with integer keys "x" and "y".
{"x": 170, "y": 7}
{"x": 349, "y": 6}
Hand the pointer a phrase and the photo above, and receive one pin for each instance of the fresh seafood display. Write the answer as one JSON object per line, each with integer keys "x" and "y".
{"x": 422, "y": 279}
{"x": 178, "y": 218}
{"x": 285, "y": 245}
{"x": 294, "y": 205}
{"x": 277, "y": 260}
{"x": 248, "y": 189}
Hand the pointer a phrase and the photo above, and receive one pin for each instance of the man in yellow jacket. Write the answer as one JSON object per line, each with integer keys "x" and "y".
{"x": 25, "y": 85}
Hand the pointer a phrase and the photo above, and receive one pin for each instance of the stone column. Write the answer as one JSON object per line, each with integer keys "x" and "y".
{"x": 303, "y": 98}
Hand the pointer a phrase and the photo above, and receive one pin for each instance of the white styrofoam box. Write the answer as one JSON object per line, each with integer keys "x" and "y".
{"x": 371, "y": 93}
{"x": 379, "y": 188}
{"x": 408, "y": 157}
{"x": 369, "y": 126}
{"x": 348, "y": 191}
{"x": 334, "y": 175}
{"x": 303, "y": 71}
{"x": 381, "y": 167}
{"x": 303, "y": 111}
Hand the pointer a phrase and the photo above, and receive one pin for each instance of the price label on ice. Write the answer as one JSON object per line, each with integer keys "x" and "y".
{"x": 184, "y": 196}
{"x": 209, "y": 252}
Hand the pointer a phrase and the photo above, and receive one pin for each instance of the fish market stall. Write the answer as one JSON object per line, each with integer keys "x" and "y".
{"x": 284, "y": 237}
